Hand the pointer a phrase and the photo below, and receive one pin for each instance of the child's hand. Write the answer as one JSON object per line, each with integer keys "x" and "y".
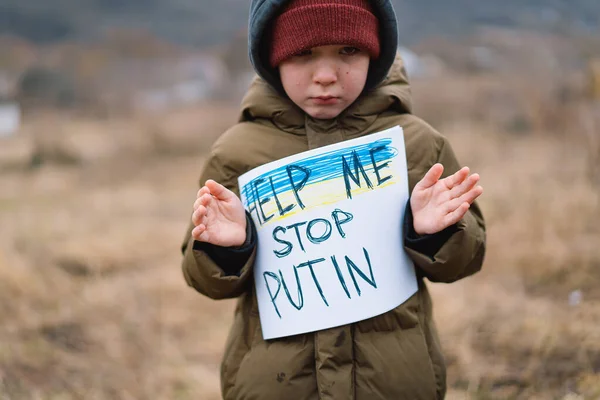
{"x": 219, "y": 216}
{"x": 436, "y": 204}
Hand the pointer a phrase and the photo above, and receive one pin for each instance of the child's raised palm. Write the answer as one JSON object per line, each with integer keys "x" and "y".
{"x": 219, "y": 216}
{"x": 438, "y": 203}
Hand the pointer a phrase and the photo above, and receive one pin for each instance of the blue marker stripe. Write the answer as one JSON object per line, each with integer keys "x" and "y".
{"x": 323, "y": 167}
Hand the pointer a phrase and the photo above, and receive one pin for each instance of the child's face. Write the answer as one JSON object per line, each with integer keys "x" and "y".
{"x": 325, "y": 80}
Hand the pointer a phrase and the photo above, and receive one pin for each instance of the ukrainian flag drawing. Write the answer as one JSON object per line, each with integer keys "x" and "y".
{"x": 322, "y": 179}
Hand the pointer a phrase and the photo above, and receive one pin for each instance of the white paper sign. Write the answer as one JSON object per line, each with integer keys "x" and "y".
{"x": 330, "y": 243}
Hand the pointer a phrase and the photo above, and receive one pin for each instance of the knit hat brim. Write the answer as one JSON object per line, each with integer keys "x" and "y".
{"x": 303, "y": 28}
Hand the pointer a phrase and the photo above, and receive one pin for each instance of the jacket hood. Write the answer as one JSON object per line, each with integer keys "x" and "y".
{"x": 263, "y": 11}
{"x": 263, "y": 102}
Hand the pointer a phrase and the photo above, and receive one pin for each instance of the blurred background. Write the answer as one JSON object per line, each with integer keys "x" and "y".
{"x": 107, "y": 111}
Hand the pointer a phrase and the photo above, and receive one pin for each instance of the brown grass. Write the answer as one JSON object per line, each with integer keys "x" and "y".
{"x": 93, "y": 304}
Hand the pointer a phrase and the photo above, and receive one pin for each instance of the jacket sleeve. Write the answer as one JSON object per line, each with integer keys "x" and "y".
{"x": 214, "y": 271}
{"x": 231, "y": 259}
{"x": 457, "y": 251}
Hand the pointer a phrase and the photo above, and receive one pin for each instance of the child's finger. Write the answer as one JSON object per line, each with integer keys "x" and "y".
{"x": 198, "y": 215}
{"x": 468, "y": 198}
{"x": 206, "y": 200}
{"x": 456, "y": 178}
{"x": 197, "y": 203}
{"x": 200, "y": 233}
{"x": 464, "y": 187}
{"x": 218, "y": 190}
{"x": 203, "y": 190}
{"x": 472, "y": 194}
{"x": 197, "y": 231}
{"x": 203, "y": 198}
{"x": 456, "y": 215}
{"x": 431, "y": 177}
{"x": 204, "y": 236}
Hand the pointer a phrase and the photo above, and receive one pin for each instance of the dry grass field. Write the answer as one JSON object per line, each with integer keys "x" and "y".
{"x": 93, "y": 304}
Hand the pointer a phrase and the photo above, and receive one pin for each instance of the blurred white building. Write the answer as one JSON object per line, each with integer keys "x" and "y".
{"x": 420, "y": 66}
{"x": 10, "y": 118}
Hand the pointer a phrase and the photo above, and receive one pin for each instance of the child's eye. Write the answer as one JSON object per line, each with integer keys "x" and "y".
{"x": 303, "y": 53}
{"x": 349, "y": 51}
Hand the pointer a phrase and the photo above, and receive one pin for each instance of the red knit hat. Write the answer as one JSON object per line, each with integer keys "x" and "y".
{"x": 304, "y": 24}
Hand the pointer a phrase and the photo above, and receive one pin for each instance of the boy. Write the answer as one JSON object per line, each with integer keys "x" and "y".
{"x": 328, "y": 75}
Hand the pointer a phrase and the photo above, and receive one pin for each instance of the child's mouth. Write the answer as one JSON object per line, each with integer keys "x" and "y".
{"x": 325, "y": 100}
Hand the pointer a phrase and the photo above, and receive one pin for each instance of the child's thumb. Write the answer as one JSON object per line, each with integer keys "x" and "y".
{"x": 432, "y": 176}
{"x": 217, "y": 190}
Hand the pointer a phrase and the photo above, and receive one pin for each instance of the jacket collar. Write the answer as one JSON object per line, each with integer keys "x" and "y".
{"x": 264, "y": 104}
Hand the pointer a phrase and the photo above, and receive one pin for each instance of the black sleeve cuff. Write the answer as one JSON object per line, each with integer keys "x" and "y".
{"x": 231, "y": 259}
{"x": 428, "y": 245}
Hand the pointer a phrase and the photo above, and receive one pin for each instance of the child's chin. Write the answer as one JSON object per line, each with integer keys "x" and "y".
{"x": 323, "y": 113}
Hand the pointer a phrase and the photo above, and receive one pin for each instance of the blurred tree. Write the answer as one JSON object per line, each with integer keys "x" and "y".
{"x": 235, "y": 55}
{"x": 39, "y": 86}
{"x": 42, "y": 28}
{"x": 138, "y": 43}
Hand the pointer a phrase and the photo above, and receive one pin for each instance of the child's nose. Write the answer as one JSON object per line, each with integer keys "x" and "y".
{"x": 325, "y": 74}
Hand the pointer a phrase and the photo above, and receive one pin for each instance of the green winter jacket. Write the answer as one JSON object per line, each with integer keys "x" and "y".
{"x": 393, "y": 356}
